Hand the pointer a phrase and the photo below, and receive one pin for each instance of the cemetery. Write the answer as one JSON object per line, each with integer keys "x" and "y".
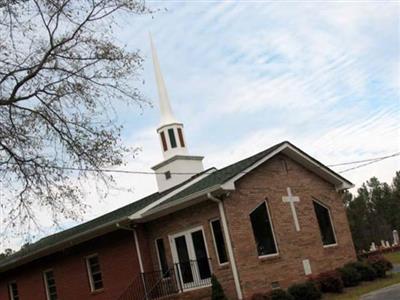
{"x": 348, "y": 283}
{"x": 375, "y": 270}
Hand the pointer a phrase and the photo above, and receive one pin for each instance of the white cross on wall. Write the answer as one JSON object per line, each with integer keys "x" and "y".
{"x": 292, "y": 199}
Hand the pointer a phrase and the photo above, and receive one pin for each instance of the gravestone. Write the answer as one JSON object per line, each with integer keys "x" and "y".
{"x": 396, "y": 240}
{"x": 387, "y": 244}
{"x": 383, "y": 244}
{"x": 373, "y": 247}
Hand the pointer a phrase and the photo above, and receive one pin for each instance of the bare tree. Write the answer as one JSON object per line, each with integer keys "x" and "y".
{"x": 61, "y": 72}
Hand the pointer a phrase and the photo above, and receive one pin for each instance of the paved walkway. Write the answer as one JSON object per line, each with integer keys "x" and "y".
{"x": 388, "y": 293}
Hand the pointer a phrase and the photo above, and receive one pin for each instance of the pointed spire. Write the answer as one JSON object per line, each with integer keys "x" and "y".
{"x": 167, "y": 116}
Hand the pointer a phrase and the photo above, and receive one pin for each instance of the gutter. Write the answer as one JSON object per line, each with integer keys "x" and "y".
{"x": 180, "y": 200}
{"x": 229, "y": 244}
{"x": 138, "y": 253}
{"x": 135, "y": 237}
{"x": 139, "y": 214}
{"x": 67, "y": 243}
{"x": 88, "y": 234}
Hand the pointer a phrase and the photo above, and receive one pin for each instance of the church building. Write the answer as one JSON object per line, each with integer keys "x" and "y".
{"x": 264, "y": 222}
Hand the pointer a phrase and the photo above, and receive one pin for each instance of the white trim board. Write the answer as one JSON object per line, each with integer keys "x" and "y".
{"x": 265, "y": 202}
{"x": 90, "y": 274}
{"x": 296, "y": 155}
{"x": 215, "y": 242}
{"x": 330, "y": 219}
{"x": 10, "y": 289}
{"x": 187, "y": 234}
{"x": 229, "y": 185}
{"x": 181, "y": 201}
{"x": 46, "y": 284}
{"x": 138, "y": 214}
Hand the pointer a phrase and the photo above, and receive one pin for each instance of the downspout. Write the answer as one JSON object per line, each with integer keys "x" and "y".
{"x": 138, "y": 250}
{"x": 139, "y": 255}
{"x": 229, "y": 244}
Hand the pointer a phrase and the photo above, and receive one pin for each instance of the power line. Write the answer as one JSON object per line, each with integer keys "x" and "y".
{"x": 364, "y": 160}
{"x": 368, "y": 162}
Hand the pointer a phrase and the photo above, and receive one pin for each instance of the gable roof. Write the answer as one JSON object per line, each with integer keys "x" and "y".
{"x": 197, "y": 185}
{"x": 221, "y": 176}
{"x": 226, "y": 177}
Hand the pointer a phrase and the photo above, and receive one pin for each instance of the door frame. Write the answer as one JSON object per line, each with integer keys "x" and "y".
{"x": 190, "y": 246}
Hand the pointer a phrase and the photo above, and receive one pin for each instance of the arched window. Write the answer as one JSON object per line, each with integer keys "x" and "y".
{"x": 325, "y": 224}
{"x": 263, "y": 230}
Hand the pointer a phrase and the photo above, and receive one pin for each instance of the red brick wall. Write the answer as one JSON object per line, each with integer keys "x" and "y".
{"x": 269, "y": 181}
{"x": 197, "y": 215}
{"x": 118, "y": 261}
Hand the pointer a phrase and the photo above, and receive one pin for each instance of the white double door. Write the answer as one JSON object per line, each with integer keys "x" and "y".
{"x": 190, "y": 256}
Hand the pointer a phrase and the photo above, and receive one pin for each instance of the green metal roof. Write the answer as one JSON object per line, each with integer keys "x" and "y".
{"x": 115, "y": 216}
{"x": 215, "y": 178}
{"x": 221, "y": 176}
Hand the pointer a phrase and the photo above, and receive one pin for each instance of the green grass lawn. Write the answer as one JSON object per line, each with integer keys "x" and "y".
{"x": 354, "y": 293}
{"x": 394, "y": 257}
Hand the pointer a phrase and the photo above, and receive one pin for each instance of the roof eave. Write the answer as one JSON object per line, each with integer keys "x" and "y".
{"x": 139, "y": 214}
{"x": 307, "y": 161}
{"x": 67, "y": 243}
{"x": 317, "y": 167}
{"x": 182, "y": 203}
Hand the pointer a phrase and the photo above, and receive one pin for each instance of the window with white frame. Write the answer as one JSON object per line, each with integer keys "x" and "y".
{"x": 219, "y": 241}
{"x": 94, "y": 272}
{"x": 50, "y": 284}
{"x": 13, "y": 290}
{"x": 162, "y": 258}
{"x": 325, "y": 224}
{"x": 263, "y": 230}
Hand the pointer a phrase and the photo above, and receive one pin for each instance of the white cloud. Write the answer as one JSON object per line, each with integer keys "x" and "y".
{"x": 244, "y": 76}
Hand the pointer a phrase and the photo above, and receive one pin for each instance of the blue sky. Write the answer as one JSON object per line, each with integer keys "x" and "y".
{"x": 245, "y": 75}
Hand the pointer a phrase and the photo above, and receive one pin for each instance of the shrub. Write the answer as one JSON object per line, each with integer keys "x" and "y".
{"x": 380, "y": 264}
{"x": 217, "y": 293}
{"x": 259, "y": 296}
{"x": 329, "y": 282}
{"x": 350, "y": 276}
{"x": 305, "y": 291}
{"x": 279, "y": 295}
{"x": 366, "y": 271}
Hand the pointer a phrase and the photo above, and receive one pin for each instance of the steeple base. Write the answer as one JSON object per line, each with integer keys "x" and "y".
{"x": 176, "y": 170}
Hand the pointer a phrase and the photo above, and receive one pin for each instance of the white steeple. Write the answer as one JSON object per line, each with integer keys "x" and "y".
{"x": 178, "y": 165}
{"x": 167, "y": 116}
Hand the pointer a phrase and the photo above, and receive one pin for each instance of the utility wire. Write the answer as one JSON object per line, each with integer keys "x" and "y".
{"x": 364, "y": 160}
{"x": 367, "y": 162}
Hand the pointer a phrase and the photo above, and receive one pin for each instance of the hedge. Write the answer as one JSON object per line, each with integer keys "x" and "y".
{"x": 305, "y": 291}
